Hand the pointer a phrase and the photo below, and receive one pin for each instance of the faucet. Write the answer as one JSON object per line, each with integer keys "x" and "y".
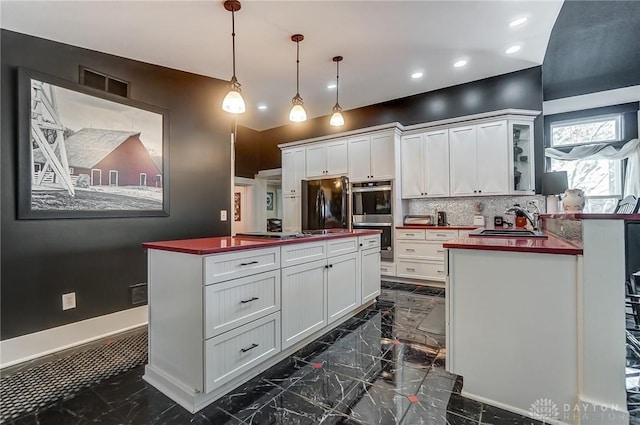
{"x": 532, "y": 217}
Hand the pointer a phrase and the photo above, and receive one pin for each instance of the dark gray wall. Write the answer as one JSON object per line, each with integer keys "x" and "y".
{"x": 520, "y": 90}
{"x": 593, "y": 47}
{"x": 100, "y": 258}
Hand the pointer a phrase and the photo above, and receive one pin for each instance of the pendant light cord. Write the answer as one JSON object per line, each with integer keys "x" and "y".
{"x": 337, "y": 79}
{"x": 297, "y": 68}
{"x": 233, "y": 42}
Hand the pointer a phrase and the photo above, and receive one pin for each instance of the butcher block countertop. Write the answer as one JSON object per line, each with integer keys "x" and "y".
{"x": 205, "y": 246}
{"x": 550, "y": 245}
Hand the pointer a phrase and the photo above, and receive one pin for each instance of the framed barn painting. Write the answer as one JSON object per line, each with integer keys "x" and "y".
{"x": 84, "y": 153}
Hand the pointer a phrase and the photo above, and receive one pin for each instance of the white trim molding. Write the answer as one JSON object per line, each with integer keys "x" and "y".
{"x": 591, "y": 100}
{"x": 31, "y": 346}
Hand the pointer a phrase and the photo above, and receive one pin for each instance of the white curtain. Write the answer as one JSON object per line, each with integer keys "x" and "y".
{"x": 630, "y": 151}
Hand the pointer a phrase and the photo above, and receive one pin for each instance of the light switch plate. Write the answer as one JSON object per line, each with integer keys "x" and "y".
{"x": 223, "y": 215}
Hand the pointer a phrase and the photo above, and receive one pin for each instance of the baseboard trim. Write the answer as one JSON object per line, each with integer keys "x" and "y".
{"x": 38, "y": 344}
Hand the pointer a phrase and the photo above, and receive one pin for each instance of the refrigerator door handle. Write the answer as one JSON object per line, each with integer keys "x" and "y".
{"x": 323, "y": 205}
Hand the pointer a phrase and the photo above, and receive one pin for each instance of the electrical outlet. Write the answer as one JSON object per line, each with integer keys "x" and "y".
{"x": 223, "y": 215}
{"x": 68, "y": 300}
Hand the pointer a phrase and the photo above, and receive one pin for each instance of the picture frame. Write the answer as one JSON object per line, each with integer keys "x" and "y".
{"x": 85, "y": 153}
{"x": 269, "y": 201}
{"x": 237, "y": 206}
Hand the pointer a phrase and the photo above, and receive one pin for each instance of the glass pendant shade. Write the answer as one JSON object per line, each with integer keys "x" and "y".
{"x": 298, "y": 114}
{"x": 233, "y": 102}
{"x": 336, "y": 117}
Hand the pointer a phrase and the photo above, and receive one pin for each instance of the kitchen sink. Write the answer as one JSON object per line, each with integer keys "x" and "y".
{"x": 516, "y": 233}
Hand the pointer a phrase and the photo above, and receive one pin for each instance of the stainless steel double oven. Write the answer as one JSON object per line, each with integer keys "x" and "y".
{"x": 371, "y": 206}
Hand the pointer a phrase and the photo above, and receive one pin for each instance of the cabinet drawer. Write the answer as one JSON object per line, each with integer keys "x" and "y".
{"x": 441, "y": 235}
{"x": 422, "y": 270}
{"x": 221, "y": 267}
{"x": 303, "y": 253}
{"x": 410, "y": 234}
{"x": 387, "y": 269}
{"x": 464, "y": 233}
{"x": 420, "y": 250}
{"x": 236, "y": 302}
{"x": 233, "y": 353}
{"x": 342, "y": 246}
{"x": 370, "y": 241}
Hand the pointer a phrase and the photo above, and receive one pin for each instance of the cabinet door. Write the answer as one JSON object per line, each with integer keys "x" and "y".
{"x": 359, "y": 159}
{"x": 493, "y": 158}
{"x": 522, "y": 174}
{"x": 337, "y": 158}
{"x": 316, "y": 160}
{"x": 292, "y": 170}
{"x": 343, "y": 293}
{"x": 462, "y": 145}
{"x": 304, "y": 302}
{"x": 291, "y": 214}
{"x": 382, "y": 156}
{"x": 412, "y": 166}
{"x": 436, "y": 159}
{"x": 370, "y": 274}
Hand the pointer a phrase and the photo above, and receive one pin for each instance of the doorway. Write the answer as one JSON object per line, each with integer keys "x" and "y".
{"x": 258, "y": 202}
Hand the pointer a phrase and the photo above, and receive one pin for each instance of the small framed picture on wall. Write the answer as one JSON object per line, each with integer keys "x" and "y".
{"x": 269, "y": 201}
{"x": 237, "y": 207}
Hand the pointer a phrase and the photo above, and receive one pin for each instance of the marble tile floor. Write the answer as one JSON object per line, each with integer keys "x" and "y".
{"x": 379, "y": 367}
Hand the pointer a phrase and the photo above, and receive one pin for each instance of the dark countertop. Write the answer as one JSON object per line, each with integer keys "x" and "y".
{"x": 551, "y": 245}
{"x": 204, "y": 246}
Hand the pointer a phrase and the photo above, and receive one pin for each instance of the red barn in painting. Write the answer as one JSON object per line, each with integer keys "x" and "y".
{"x": 109, "y": 157}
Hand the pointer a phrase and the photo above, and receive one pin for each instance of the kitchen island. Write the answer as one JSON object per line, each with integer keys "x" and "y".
{"x": 536, "y": 326}
{"x": 222, "y": 310}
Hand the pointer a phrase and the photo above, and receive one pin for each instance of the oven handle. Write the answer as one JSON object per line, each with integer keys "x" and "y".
{"x": 372, "y": 224}
{"x": 371, "y": 189}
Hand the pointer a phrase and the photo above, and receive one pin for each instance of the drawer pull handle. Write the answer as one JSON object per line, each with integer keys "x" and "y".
{"x": 409, "y": 269}
{"x": 440, "y": 251}
{"x": 244, "y": 350}
{"x": 409, "y": 234}
{"x": 440, "y": 271}
{"x": 249, "y": 300}
{"x": 410, "y": 250}
{"x": 249, "y": 263}
{"x": 441, "y": 235}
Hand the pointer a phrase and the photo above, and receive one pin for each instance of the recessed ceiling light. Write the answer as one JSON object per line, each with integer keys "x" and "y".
{"x": 517, "y": 22}
{"x": 262, "y": 107}
{"x": 460, "y": 63}
{"x": 512, "y": 49}
{"x": 417, "y": 75}
{"x": 331, "y": 86}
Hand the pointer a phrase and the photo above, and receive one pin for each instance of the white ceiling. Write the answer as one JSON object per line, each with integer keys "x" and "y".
{"x": 382, "y": 42}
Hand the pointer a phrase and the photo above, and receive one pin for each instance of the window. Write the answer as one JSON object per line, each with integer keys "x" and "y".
{"x": 600, "y": 179}
{"x": 600, "y": 129}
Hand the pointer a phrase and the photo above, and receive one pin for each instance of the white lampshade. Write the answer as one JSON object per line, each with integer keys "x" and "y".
{"x": 233, "y": 102}
{"x": 336, "y": 119}
{"x": 297, "y": 114}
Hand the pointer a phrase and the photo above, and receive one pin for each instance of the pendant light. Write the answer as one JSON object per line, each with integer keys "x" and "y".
{"x": 233, "y": 101}
{"x": 297, "y": 114}
{"x": 336, "y": 117}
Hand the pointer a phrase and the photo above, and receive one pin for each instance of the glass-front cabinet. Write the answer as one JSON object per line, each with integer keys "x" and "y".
{"x": 522, "y": 179}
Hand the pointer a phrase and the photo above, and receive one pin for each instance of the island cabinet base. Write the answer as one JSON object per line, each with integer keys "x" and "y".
{"x": 194, "y": 401}
{"x": 512, "y": 332}
{"x": 217, "y": 320}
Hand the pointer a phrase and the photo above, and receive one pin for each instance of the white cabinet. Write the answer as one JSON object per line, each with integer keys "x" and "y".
{"x": 370, "y": 273}
{"x": 326, "y": 159}
{"x": 304, "y": 301}
{"x": 291, "y": 213}
{"x": 293, "y": 163}
{"x": 421, "y": 255}
{"x": 522, "y": 174}
{"x": 343, "y": 291}
{"x": 479, "y": 159}
{"x": 371, "y": 157}
{"x": 425, "y": 164}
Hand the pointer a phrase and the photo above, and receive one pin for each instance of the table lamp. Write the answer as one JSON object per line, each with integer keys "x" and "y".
{"x": 554, "y": 184}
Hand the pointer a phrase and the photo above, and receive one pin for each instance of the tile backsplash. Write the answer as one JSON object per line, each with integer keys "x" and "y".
{"x": 460, "y": 211}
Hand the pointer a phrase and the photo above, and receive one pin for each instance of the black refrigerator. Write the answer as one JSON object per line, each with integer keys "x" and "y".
{"x": 325, "y": 204}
